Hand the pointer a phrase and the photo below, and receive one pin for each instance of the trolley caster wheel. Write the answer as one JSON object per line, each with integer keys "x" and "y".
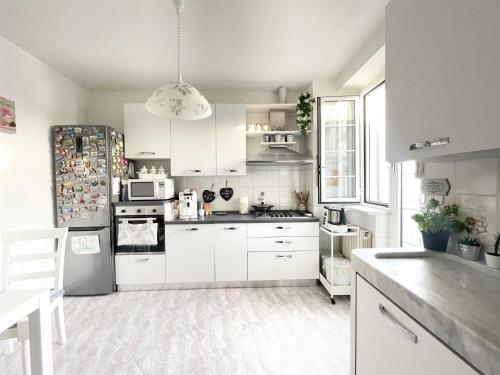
{"x": 333, "y": 300}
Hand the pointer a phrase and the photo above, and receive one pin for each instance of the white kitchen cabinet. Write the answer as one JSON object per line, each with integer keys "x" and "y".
{"x": 280, "y": 265}
{"x": 231, "y": 142}
{"x": 194, "y": 147}
{"x": 442, "y": 77}
{"x": 388, "y": 341}
{"x": 189, "y": 253}
{"x": 283, "y": 229}
{"x": 140, "y": 268}
{"x": 230, "y": 252}
{"x": 146, "y": 136}
{"x": 283, "y": 244}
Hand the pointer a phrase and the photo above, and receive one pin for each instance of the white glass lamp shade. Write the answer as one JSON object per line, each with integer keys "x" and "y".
{"x": 178, "y": 100}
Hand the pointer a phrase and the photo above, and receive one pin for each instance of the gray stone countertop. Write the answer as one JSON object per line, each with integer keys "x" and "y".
{"x": 458, "y": 301}
{"x": 235, "y": 217}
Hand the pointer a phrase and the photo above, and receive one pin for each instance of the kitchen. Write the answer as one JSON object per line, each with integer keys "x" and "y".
{"x": 219, "y": 234}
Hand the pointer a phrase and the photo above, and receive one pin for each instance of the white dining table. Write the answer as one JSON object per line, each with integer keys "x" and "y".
{"x": 16, "y": 305}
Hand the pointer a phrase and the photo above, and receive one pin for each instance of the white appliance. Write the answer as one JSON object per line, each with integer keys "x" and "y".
{"x": 188, "y": 205}
{"x": 150, "y": 189}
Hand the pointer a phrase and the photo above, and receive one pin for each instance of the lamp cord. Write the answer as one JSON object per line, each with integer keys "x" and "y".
{"x": 179, "y": 74}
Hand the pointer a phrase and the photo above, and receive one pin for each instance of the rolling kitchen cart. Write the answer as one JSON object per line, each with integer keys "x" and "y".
{"x": 337, "y": 290}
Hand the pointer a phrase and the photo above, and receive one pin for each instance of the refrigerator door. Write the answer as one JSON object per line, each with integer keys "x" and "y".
{"x": 82, "y": 175}
{"x": 88, "y": 263}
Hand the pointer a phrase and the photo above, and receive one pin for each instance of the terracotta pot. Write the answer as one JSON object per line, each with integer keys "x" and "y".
{"x": 435, "y": 241}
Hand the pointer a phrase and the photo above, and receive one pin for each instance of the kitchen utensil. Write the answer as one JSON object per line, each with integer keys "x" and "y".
{"x": 208, "y": 195}
{"x": 226, "y": 193}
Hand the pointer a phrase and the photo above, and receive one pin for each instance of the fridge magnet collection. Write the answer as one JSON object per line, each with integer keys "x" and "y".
{"x": 7, "y": 116}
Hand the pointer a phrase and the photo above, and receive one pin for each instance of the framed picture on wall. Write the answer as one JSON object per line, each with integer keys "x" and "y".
{"x": 7, "y": 116}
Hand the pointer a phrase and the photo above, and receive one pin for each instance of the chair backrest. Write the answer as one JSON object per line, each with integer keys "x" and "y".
{"x": 55, "y": 254}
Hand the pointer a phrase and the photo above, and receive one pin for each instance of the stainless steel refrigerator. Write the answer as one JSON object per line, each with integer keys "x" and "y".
{"x": 86, "y": 157}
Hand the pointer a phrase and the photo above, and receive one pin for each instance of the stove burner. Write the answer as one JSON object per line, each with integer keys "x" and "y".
{"x": 276, "y": 214}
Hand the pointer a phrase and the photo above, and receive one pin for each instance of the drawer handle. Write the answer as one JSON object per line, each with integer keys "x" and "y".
{"x": 284, "y": 242}
{"x": 191, "y": 229}
{"x": 397, "y": 324}
{"x": 283, "y": 228}
{"x": 147, "y": 153}
{"x": 231, "y": 170}
{"x": 432, "y": 143}
{"x": 141, "y": 259}
{"x": 231, "y": 228}
{"x": 192, "y": 171}
{"x": 284, "y": 256}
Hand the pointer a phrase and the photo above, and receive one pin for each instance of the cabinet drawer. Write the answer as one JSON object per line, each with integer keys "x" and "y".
{"x": 140, "y": 269}
{"x": 278, "y": 265}
{"x": 283, "y": 229}
{"x": 283, "y": 244}
{"x": 191, "y": 235}
{"x": 407, "y": 347}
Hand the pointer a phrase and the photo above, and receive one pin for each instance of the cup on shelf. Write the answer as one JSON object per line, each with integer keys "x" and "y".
{"x": 289, "y": 137}
{"x": 278, "y": 138}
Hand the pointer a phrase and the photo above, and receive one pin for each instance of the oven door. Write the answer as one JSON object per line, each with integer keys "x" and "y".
{"x": 139, "y": 235}
{"x": 142, "y": 190}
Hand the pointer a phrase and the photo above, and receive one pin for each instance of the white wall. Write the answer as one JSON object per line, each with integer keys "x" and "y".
{"x": 43, "y": 98}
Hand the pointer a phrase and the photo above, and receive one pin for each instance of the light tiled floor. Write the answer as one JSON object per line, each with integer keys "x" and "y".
{"x": 203, "y": 331}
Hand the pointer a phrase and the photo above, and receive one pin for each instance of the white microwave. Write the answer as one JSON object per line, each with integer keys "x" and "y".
{"x": 150, "y": 189}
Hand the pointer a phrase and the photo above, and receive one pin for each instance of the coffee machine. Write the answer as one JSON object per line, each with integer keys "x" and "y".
{"x": 188, "y": 205}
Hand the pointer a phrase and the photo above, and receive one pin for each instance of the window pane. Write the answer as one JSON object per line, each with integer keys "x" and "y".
{"x": 339, "y": 149}
{"x": 377, "y": 169}
{"x": 410, "y": 205}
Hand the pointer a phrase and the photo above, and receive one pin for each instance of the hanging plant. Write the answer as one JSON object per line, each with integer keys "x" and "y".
{"x": 304, "y": 111}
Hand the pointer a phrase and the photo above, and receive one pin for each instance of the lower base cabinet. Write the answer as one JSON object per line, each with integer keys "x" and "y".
{"x": 390, "y": 342}
{"x": 140, "y": 269}
{"x": 281, "y": 265}
{"x": 230, "y": 252}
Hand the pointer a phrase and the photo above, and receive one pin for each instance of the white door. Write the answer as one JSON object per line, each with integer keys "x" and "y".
{"x": 194, "y": 147}
{"x": 231, "y": 140}
{"x": 390, "y": 342}
{"x": 146, "y": 136}
{"x": 230, "y": 252}
{"x": 189, "y": 251}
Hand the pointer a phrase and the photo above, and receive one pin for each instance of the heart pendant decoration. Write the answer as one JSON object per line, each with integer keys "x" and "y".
{"x": 226, "y": 193}
{"x": 208, "y": 195}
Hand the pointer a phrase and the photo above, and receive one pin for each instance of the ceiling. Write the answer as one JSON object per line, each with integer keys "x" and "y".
{"x": 236, "y": 44}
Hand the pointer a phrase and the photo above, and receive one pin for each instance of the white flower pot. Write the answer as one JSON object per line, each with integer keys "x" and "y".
{"x": 492, "y": 261}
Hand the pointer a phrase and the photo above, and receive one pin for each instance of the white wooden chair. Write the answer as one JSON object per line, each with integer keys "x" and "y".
{"x": 53, "y": 274}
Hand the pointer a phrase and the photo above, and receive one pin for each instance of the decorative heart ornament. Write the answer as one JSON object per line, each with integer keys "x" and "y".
{"x": 208, "y": 195}
{"x": 226, "y": 193}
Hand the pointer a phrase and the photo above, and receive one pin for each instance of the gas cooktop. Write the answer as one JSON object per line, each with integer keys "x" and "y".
{"x": 280, "y": 214}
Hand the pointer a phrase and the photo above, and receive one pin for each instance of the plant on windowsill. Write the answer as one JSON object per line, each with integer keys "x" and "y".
{"x": 469, "y": 247}
{"x": 304, "y": 111}
{"x": 437, "y": 223}
{"x": 493, "y": 258}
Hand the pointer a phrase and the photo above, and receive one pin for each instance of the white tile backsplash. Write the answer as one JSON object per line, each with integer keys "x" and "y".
{"x": 477, "y": 176}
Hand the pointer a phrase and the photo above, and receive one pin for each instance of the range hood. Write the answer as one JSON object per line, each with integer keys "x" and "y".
{"x": 279, "y": 155}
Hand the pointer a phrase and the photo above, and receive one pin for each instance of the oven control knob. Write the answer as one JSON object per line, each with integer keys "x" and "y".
{"x": 154, "y": 209}
{"x": 123, "y": 211}
{"x": 139, "y": 211}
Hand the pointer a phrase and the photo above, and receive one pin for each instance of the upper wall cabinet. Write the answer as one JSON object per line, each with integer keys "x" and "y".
{"x": 230, "y": 122}
{"x": 194, "y": 147}
{"x": 442, "y": 78}
{"x": 146, "y": 136}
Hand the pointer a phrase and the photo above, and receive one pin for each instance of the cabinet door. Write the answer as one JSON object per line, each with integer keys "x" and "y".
{"x": 140, "y": 268}
{"x": 441, "y": 77}
{"x": 189, "y": 251}
{"x": 384, "y": 347}
{"x": 284, "y": 229}
{"x": 146, "y": 136}
{"x": 230, "y": 252}
{"x": 193, "y": 147}
{"x": 231, "y": 140}
{"x": 293, "y": 265}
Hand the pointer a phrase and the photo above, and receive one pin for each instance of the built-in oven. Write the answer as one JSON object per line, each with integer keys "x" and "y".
{"x": 139, "y": 229}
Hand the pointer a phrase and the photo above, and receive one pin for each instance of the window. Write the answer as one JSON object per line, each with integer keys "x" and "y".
{"x": 410, "y": 205}
{"x": 377, "y": 177}
{"x": 338, "y": 145}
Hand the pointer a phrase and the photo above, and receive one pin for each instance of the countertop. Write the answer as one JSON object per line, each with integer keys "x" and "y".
{"x": 456, "y": 300}
{"x": 235, "y": 217}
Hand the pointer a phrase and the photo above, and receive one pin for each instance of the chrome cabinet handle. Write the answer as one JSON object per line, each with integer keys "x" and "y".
{"x": 191, "y": 229}
{"x": 231, "y": 170}
{"x": 141, "y": 259}
{"x": 431, "y": 143}
{"x": 231, "y": 228}
{"x": 284, "y": 256}
{"x": 284, "y": 228}
{"x": 147, "y": 153}
{"x": 283, "y": 242}
{"x": 397, "y": 324}
{"x": 192, "y": 171}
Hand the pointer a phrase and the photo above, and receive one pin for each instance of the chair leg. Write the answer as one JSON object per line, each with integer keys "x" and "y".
{"x": 26, "y": 357}
{"x": 61, "y": 329}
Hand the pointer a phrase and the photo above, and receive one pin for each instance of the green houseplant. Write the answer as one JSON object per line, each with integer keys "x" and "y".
{"x": 493, "y": 258}
{"x": 470, "y": 246}
{"x": 436, "y": 223}
{"x": 304, "y": 111}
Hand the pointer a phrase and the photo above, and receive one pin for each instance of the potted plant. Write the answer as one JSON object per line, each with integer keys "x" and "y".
{"x": 437, "y": 223}
{"x": 470, "y": 246}
{"x": 493, "y": 258}
{"x": 304, "y": 111}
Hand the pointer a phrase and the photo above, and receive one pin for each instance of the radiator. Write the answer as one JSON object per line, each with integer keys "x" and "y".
{"x": 350, "y": 243}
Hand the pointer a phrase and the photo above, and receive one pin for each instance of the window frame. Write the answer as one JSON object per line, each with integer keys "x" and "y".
{"x": 358, "y": 132}
{"x": 366, "y": 179}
